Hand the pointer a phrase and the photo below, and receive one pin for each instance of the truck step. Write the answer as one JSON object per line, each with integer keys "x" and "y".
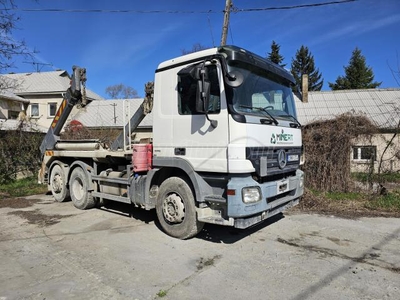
{"x": 215, "y": 199}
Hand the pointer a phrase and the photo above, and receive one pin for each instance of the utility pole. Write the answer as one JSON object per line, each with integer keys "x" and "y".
{"x": 225, "y": 26}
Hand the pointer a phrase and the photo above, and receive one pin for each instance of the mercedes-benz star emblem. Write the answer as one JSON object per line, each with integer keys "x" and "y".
{"x": 282, "y": 159}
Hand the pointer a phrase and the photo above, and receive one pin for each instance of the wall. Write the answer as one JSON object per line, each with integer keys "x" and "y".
{"x": 390, "y": 160}
{"x": 6, "y": 105}
{"x": 43, "y": 119}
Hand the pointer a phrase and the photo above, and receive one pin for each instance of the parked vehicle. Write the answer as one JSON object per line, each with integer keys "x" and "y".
{"x": 225, "y": 147}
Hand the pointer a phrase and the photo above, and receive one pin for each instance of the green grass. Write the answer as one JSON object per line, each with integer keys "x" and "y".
{"x": 384, "y": 177}
{"x": 389, "y": 202}
{"x": 21, "y": 188}
{"x": 162, "y": 293}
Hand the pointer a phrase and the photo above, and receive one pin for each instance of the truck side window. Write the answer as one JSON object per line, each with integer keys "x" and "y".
{"x": 187, "y": 93}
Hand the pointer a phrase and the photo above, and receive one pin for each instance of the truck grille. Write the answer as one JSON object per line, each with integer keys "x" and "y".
{"x": 266, "y": 160}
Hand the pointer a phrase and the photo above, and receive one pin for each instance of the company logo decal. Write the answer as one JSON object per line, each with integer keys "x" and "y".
{"x": 282, "y": 159}
{"x": 282, "y": 138}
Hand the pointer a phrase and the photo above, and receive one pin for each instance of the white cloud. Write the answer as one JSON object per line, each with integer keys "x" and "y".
{"x": 355, "y": 29}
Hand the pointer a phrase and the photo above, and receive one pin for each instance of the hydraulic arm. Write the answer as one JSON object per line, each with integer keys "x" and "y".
{"x": 75, "y": 94}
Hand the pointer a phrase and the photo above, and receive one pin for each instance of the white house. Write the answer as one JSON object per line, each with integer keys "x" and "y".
{"x": 44, "y": 91}
{"x": 380, "y": 106}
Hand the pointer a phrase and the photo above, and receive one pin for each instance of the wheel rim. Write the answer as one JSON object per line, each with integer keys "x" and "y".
{"x": 173, "y": 209}
{"x": 77, "y": 188}
{"x": 57, "y": 184}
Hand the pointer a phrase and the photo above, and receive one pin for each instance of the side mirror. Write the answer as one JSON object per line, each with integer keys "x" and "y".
{"x": 234, "y": 78}
{"x": 202, "y": 96}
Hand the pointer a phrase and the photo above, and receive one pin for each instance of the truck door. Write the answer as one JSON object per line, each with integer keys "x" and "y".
{"x": 195, "y": 140}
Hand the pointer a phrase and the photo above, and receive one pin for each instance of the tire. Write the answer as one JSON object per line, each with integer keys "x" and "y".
{"x": 78, "y": 187}
{"x": 176, "y": 209}
{"x": 58, "y": 184}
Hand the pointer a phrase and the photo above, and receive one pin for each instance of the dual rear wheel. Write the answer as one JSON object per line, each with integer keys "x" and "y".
{"x": 78, "y": 189}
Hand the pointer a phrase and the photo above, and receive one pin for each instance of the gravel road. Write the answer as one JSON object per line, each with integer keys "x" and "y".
{"x": 51, "y": 250}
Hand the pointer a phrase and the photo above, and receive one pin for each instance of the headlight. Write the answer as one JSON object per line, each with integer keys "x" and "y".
{"x": 302, "y": 156}
{"x": 251, "y": 194}
{"x": 301, "y": 183}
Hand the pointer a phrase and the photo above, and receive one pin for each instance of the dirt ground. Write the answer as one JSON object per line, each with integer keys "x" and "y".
{"x": 51, "y": 250}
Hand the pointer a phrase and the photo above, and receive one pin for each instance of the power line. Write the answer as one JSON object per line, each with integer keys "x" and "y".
{"x": 234, "y": 9}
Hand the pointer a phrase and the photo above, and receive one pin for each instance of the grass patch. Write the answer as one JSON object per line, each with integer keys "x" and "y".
{"x": 162, "y": 293}
{"x": 352, "y": 204}
{"x": 389, "y": 202}
{"x": 22, "y": 187}
{"x": 384, "y": 177}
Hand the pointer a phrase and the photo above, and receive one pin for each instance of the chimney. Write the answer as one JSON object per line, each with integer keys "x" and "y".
{"x": 304, "y": 88}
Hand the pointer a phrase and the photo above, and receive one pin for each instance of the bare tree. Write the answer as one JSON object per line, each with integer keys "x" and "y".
{"x": 195, "y": 48}
{"x": 121, "y": 91}
{"x": 9, "y": 47}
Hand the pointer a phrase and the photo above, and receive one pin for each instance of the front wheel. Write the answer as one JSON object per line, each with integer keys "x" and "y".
{"x": 176, "y": 209}
{"x": 79, "y": 189}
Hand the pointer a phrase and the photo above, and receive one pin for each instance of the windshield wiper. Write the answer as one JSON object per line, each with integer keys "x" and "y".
{"x": 297, "y": 124}
{"x": 261, "y": 109}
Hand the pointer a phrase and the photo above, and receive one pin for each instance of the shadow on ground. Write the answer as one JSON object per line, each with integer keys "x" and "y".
{"x": 211, "y": 233}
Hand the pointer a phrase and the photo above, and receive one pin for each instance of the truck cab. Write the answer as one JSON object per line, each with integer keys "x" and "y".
{"x": 241, "y": 144}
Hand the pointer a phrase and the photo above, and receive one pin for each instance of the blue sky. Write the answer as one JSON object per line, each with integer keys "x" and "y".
{"x": 127, "y": 47}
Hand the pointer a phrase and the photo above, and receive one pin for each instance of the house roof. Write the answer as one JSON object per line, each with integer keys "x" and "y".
{"x": 111, "y": 113}
{"x": 7, "y": 95}
{"x": 53, "y": 82}
{"x": 381, "y": 106}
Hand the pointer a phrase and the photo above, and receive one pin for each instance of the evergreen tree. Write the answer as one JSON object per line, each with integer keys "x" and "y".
{"x": 358, "y": 75}
{"x": 274, "y": 55}
{"x": 304, "y": 64}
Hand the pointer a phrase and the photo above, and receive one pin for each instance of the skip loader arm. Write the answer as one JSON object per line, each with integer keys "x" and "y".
{"x": 145, "y": 108}
{"x": 75, "y": 94}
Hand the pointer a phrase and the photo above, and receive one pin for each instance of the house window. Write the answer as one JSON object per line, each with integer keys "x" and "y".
{"x": 35, "y": 110}
{"x": 364, "y": 153}
{"x": 52, "y": 109}
{"x": 13, "y": 115}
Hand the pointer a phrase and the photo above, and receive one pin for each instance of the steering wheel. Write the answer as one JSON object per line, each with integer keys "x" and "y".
{"x": 269, "y": 107}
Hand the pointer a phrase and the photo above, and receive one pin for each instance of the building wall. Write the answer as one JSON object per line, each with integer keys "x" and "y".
{"x": 10, "y": 109}
{"x": 376, "y": 145}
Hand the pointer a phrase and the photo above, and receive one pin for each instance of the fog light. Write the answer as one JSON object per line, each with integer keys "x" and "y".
{"x": 251, "y": 194}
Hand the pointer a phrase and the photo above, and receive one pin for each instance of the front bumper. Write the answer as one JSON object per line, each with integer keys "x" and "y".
{"x": 276, "y": 196}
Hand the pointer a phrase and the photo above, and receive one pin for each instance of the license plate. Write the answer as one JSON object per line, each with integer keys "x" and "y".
{"x": 293, "y": 157}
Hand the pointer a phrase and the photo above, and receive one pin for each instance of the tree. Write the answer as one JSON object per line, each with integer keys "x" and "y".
{"x": 121, "y": 91}
{"x": 304, "y": 64}
{"x": 195, "y": 48}
{"x": 9, "y": 47}
{"x": 274, "y": 55}
{"x": 358, "y": 75}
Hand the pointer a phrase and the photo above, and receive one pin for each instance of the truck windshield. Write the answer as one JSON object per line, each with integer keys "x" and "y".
{"x": 261, "y": 93}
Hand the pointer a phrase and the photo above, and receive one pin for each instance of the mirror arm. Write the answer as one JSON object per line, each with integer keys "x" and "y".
{"x": 214, "y": 123}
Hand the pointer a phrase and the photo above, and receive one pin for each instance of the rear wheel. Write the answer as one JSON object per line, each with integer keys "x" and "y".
{"x": 79, "y": 185}
{"x": 58, "y": 184}
{"x": 176, "y": 209}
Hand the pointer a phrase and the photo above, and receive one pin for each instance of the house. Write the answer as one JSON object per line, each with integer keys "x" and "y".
{"x": 44, "y": 91}
{"x": 114, "y": 114}
{"x": 13, "y": 113}
{"x": 380, "y": 106}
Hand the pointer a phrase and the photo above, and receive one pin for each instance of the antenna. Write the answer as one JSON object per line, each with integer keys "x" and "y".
{"x": 39, "y": 66}
{"x": 209, "y": 25}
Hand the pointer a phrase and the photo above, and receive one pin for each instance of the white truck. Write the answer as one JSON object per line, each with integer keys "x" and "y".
{"x": 225, "y": 149}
